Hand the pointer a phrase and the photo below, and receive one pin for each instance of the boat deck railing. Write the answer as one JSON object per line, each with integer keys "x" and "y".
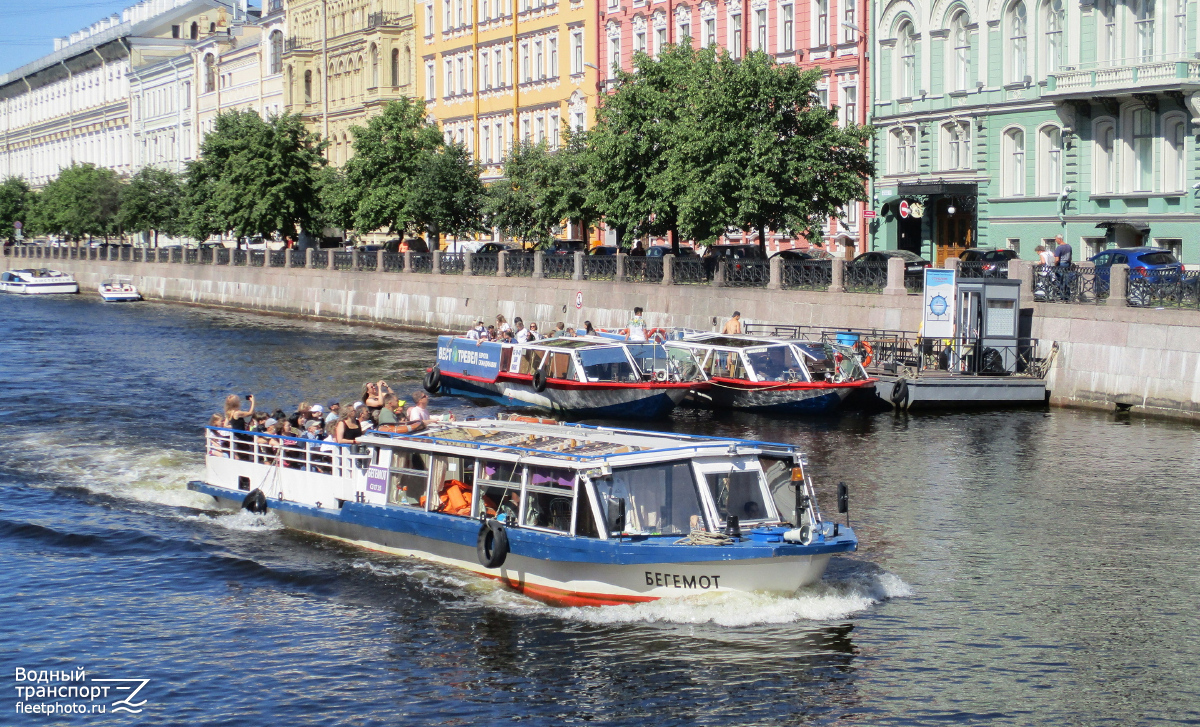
{"x": 296, "y": 453}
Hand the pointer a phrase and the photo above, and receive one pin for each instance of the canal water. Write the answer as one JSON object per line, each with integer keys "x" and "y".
{"x": 1035, "y": 567}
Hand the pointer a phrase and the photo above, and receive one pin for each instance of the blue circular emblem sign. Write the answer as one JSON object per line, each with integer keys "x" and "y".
{"x": 938, "y": 305}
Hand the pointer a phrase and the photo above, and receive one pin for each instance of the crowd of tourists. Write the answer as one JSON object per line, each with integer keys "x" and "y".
{"x": 517, "y": 332}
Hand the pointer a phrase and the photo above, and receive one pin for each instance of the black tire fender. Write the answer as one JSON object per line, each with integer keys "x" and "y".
{"x": 539, "y": 381}
{"x": 492, "y": 544}
{"x": 255, "y": 502}
{"x": 433, "y": 380}
{"x": 899, "y": 394}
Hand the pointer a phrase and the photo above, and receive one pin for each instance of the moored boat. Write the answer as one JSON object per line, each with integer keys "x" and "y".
{"x": 118, "y": 290}
{"x": 775, "y": 375}
{"x": 37, "y": 281}
{"x": 566, "y": 513}
{"x": 584, "y": 376}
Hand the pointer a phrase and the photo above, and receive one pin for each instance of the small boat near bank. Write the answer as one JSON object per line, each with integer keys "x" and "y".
{"x": 37, "y": 281}
{"x": 119, "y": 290}
{"x": 565, "y": 513}
{"x": 773, "y": 375}
{"x": 586, "y": 376}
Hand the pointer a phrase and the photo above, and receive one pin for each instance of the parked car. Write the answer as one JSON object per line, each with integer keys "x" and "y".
{"x": 914, "y": 264}
{"x": 491, "y": 248}
{"x": 994, "y": 261}
{"x": 412, "y": 244}
{"x": 812, "y": 253}
{"x": 604, "y": 250}
{"x": 661, "y": 250}
{"x": 1146, "y": 265}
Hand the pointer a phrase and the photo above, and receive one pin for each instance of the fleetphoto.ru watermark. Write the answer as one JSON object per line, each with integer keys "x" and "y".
{"x": 56, "y": 691}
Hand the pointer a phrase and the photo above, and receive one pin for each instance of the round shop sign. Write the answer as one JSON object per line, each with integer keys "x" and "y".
{"x": 938, "y": 306}
{"x": 917, "y": 209}
{"x": 904, "y": 208}
{"x": 579, "y": 300}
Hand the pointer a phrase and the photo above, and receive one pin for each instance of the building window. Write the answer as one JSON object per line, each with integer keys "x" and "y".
{"x": 639, "y": 42}
{"x": 485, "y": 70}
{"x": 1017, "y": 45}
{"x": 685, "y": 28}
{"x": 908, "y": 61}
{"x": 499, "y": 69}
{"x": 822, "y": 22}
{"x": 849, "y": 105}
{"x": 374, "y": 53}
{"x": 1144, "y": 22}
{"x": 539, "y": 70}
{"x": 308, "y": 95}
{"x": 660, "y": 40}
{"x": 614, "y": 55}
{"x": 525, "y": 63}
{"x": 962, "y": 52}
{"x": 1173, "y": 154}
{"x": 956, "y": 146}
{"x": 735, "y": 36}
{"x": 276, "y": 52}
{"x": 194, "y": 32}
{"x": 760, "y": 30}
{"x": 577, "y": 52}
{"x": 786, "y": 31}
{"x": 553, "y": 57}
{"x": 1014, "y": 163}
{"x": 210, "y": 74}
{"x": 175, "y": 32}
{"x": 1104, "y": 160}
{"x": 710, "y": 33}
{"x": 1107, "y": 42}
{"x": 395, "y": 67}
{"x": 904, "y": 150}
{"x": 1050, "y": 156}
{"x": 1053, "y": 36}
{"x": 1178, "y": 40}
{"x": 430, "y": 82}
{"x": 462, "y": 75}
{"x": 485, "y": 143}
{"x": 1143, "y": 150}
{"x": 849, "y": 21}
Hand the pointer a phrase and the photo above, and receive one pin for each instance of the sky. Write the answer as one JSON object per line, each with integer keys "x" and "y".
{"x": 32, "y": 25}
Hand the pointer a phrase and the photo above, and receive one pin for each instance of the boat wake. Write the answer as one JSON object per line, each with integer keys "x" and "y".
{"x": 241, "y": 521}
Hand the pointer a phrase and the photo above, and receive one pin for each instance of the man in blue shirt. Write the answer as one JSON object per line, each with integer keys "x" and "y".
{"x": 1062, "y": 252}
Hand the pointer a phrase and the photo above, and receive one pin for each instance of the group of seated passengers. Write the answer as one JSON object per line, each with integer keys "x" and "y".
{"x": 502, "y": 332}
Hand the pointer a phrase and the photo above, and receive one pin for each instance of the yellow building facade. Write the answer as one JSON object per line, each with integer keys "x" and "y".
{"x": 343, "y": 61}
{"x": 495, "y": 71}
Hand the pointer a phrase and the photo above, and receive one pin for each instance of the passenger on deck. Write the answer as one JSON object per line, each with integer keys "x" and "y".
{"x": 491, "y": 333}
{"x": 533, "y": 332}
{"x": 335, "y": 411}
{"x": 365, "y": 420}
{"x": 418, "y": 411}
{"x": 387, "y": 415}
{"x": 373, "y": 395}
{"x": 312, "y": 430}
{"x": 477, "y": 332}
{"x": 520, "y": 334}
{"x": 238, "y": 419}
{"x": 502, "y": 325}
{"x": 347, "y": 430}
{"x": 587, "y": 329}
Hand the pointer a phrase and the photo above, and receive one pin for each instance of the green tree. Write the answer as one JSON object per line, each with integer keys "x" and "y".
{"x": 337, "y": 205}
{"x": 16, "y": 204}
{"x": 516, "y": 203}
{"x": 571, "y": 193}
{"x": 152, "y": 203}
{"x": 82, "y": 201}
{"x": 447, "y": 195}
{"x": 255, "y": 177}
{"x": 389, "y": 153}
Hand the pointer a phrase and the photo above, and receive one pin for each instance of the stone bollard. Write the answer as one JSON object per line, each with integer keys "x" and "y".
{"x": 776, "y": 282}
{"x": 1118, "y": 286}
{"x": 1022, "y": 270}
{"x": 578, "y": 274}
{"x": 379, "y": 261}
{"x": 354, "y": 259}
{"x": 329, "y": 258}
{"x": 468, "y": 263}
{"x": 955, "y": 264}
{"x": 539, "y": 264}
{"x": 308, "y": 258}
{"x": 437, "y": 262}
{"x": 620, "y": 274}
{"x": 287, "y": 257}
{"x": 719, "y": 278}
{"x": 109, "y": 251}
{"x": 266, "y": 256}
{"x": 668, "y": 269}
{"x": 502, "y": 264}
{"x": 408, "y": 261}
{"x": 895, "y": 277}
{"x": 837, "y": 276}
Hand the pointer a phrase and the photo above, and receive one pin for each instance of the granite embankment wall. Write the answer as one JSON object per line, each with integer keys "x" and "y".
{"x": 1145, "y": 359}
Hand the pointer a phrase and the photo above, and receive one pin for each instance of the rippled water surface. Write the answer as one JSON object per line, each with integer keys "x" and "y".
{"x": 1016, "y": 568}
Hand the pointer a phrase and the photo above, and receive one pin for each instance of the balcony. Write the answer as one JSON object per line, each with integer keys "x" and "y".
{"x": 382, "y": 19}
{"x": 1131, "y": 77}
{"x": 293, "y": 44}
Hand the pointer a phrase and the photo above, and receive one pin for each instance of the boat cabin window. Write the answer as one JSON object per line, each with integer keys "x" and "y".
{"x": 775, "y": 363}
{"x": 778, "y": 473}
{"x": 454, "y": 478}
{"x": 585, "y": 521}
{"x": 527, "y": 361}
{"x": 561, "y": 365}
{"x": 737, "y": 493}
{"x": 549, "y": 497}
{"x": 607, "y": 364}
{"x": 727, "y": 364}
{"x": 498, "y": 489}
{"x": 658, "y": 499}
{"x": 408, "y": 478}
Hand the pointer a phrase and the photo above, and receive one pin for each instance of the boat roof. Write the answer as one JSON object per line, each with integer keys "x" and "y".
{"x": 40, "y": 273}
{"x": 574, "y": 444}
{"x": 725, "y": 341}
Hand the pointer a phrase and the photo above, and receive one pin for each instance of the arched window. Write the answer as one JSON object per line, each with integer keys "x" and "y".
{"x": 907, "y": 43}
{"x": 194, "y": 32}
{"x": 308, "y": 87}
{"x": 1174, "y": 170}
{"x": 1104, "y": 159}
{"x": 341, "y": 80}
{"x": 1144, "y": 20}
{"x": 374, "y": 66}
{"x": 961, "y": 61}
{"x": 395, "y": 67}
{"x": 1052, "y": 47}
{"x": 1050, "y": 160}
{"x": 276, "y": 52}
{"x": 1106, "y": 39}
{"x": 1018, "y": 26}
{"x": 1014, "y": 163}
{"x": 210, "y": 73}
{"x": 212, "y": 28}
{"x": 288, "y": 90}
{"x": 1143, "y": 150}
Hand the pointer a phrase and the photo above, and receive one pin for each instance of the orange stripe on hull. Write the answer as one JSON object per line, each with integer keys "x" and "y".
{"x": 562, "y": 597}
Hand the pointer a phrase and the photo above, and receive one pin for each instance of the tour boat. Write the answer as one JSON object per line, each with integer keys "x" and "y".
{"x": 37, "y": 281}
{"x": 566, "y": 513}
{"x": 774, "y": 375}
{"x": 586, "y": 376}
{"x": 120, "y": 289}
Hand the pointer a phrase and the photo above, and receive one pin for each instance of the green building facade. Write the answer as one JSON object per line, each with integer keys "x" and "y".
{"x": 1005, "y": 124}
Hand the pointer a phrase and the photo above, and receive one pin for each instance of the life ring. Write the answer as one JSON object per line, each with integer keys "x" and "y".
{"x": 433, "y": 380}
{"x": 492, "y": 544}
{"x": 531, "y": 420}
{"x": 899, "y": 395}
{"x": 658, "y": 335}
{"x": 868, "y": 352}
{"x": 255, "y": 502}
{"x": 402, "y": 428}
{"x": 539, "y": 381}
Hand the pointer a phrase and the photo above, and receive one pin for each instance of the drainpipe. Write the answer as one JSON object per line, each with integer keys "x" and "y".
{"x": 325, "y": 68}
{"x": 129, "y": 111}
{"x": 104, "y": 100}
{"x": 29, "y": 118}
{"x": 70, "y": 109}
{"x": 516, "y": 54}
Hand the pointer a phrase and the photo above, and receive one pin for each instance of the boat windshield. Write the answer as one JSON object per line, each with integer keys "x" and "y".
{"x": 607, "y": 364}
{"x": 676, "y": 364}
{"x": 775, "y": 363}
{"x": 659, "y": 499}
{"x": 739, "y": 493}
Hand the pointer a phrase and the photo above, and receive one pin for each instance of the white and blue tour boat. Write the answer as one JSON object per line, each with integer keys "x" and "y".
{"x": 119, "y": 289}
{"x": 565, "y": 513}
{"x": 586, "y": 376}
{"x": 37, "y": 281}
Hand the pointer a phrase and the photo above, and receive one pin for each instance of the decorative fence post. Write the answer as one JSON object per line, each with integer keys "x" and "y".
{"x": 330, "y": 258}
{"x": 437, "y": 262}
{"x": 354, "y": 259}
{"x": 379, "y": 261}
{"x": 895, "y": 277}
{"x": 1118, "y": 286}
{"x": 308, "y": 257}
{"x": 719, "y": 279}
{"x": 955, "y": 264}
{"x": 408, "y": 261}
{"x": 468, "y": 263}
{"x": 502, "y": 264}
{"x": 620, "y": 276}
{"x": 837, "y": 276}
{"x": 539, "y": 264}
{"x": 668, "y": 269}
{"x": 578, "y": 274}
{"x": 287, "y": 256}
{"x": 776, "y": 282}
{"x": 266, "y": 256}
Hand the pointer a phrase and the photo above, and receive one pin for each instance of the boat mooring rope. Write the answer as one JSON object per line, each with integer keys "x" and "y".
{"x": 703, "y": 537}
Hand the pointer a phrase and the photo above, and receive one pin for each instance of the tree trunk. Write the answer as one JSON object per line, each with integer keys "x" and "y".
{"x": 434, "y": 236}
{"x": 156, "y": 239}
{"x": 674, "y": 233}
{"x": 762, "y": 239}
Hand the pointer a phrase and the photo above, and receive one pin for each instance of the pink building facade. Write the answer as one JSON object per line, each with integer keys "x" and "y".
{"x": 824, "y": 34}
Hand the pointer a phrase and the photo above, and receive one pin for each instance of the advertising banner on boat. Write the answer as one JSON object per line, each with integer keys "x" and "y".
{"x": 938, "y": 313}
{"x": 377, "y": 479}
{"x": 469, "y": 358}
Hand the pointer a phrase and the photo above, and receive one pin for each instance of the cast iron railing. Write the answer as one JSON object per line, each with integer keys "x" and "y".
{"x": 747, "y": 273}
{"x": 256, "y": 258}
{"x": 278, "y": 258}
{"x": 1164, "y": 289}
{"x": 558, "y": 266}
{"x": 688, "y": 271}
{"x": 223, "y": 256}
{"x": 485, "y": 263}
{"x": 422, "y": 262}
{"x": 239, "y": 257}
{"x": 320, "y": 258}
{"x": 393, "y": 262}
{"x": 343, "y": 260}
{"x": 865, "y": 277}
{"x": 982, "y": 269}
{"x": 518, "y": 265}
{"x": 806, "y": 274}
{"x": 644, "y": 269}
{"x": 205, "y": 256}
{"x": 191, "y": 256}
{"x": 1070, "y": 284}
{"x": 600, "y": 267}
{"x": 452, "y": 263}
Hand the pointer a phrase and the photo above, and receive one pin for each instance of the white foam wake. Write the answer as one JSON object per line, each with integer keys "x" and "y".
{"x": 242, "y": 520}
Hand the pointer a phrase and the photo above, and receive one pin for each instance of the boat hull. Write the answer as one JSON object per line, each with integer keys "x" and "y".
{"x": 634, "y": 401}
{"x": 554, "y": 569}
{"x": 120, "y": 297}
{"x": 48, "y": 288}
{"x": 800, "y": 398}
